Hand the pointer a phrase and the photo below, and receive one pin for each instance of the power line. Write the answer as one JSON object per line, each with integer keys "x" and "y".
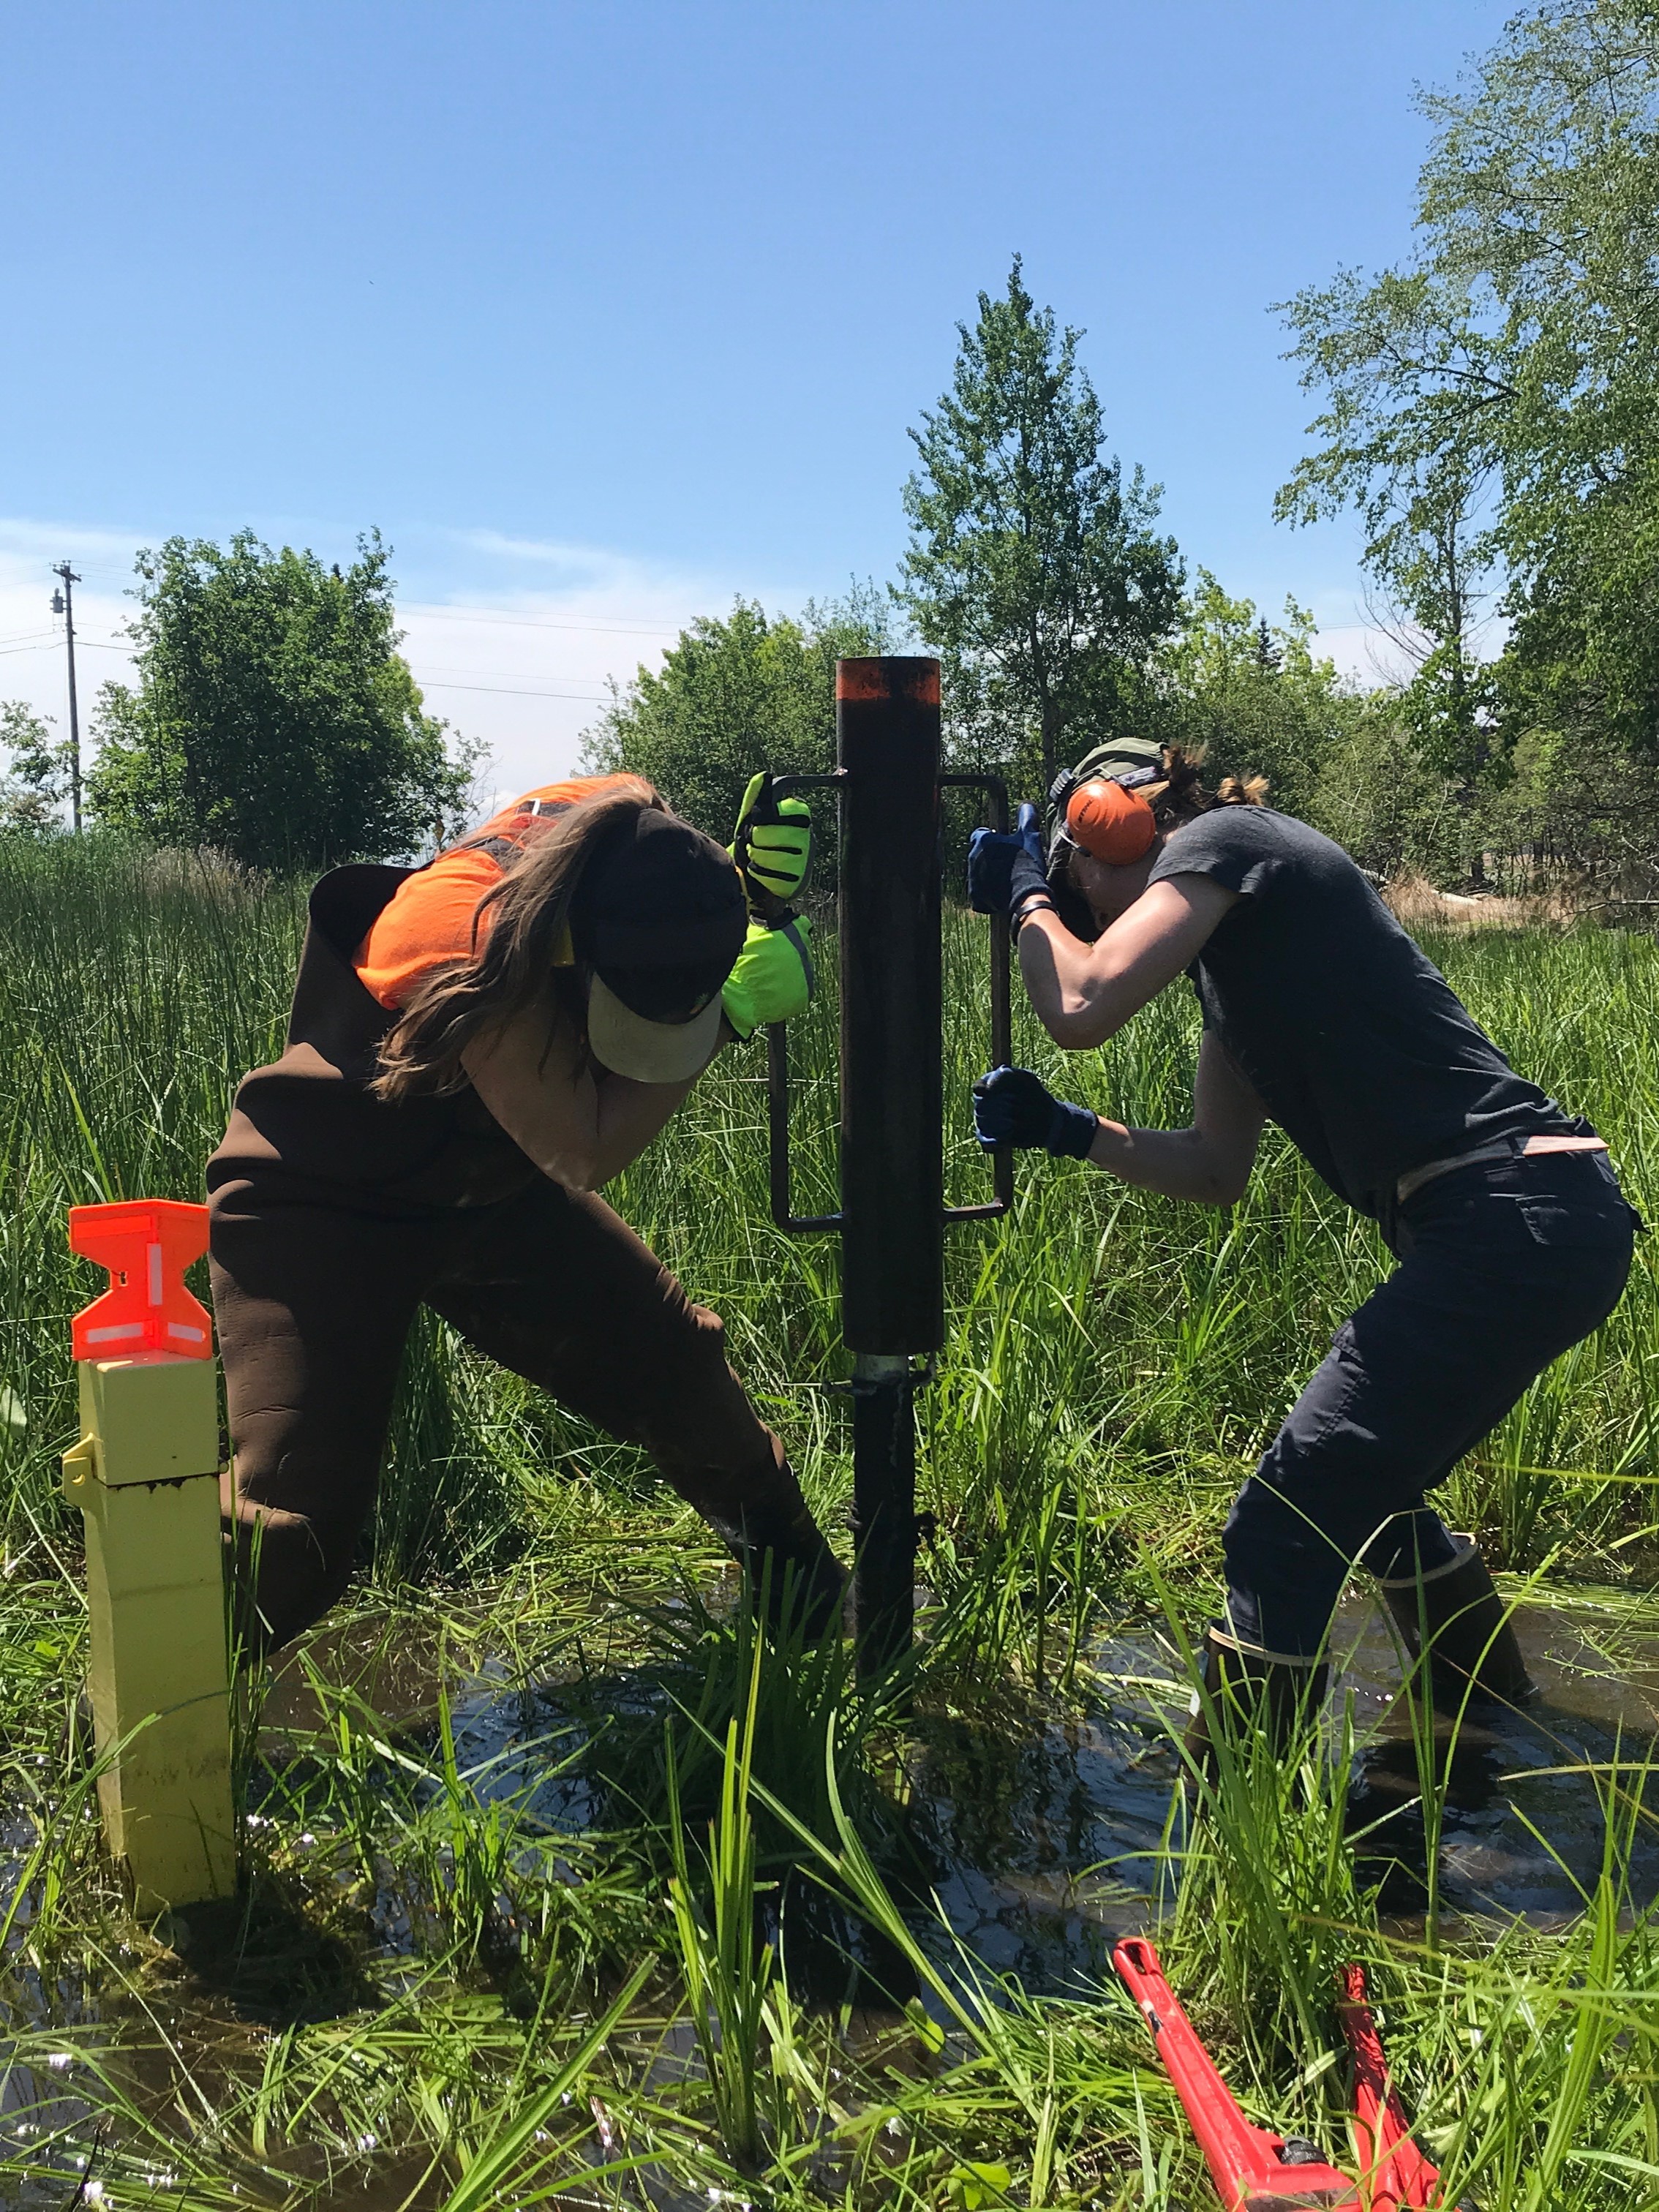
{"x": 553, "y": 675}
{"x": 419, "y": 610}
{"x": 542, "y": 621}
{"x": 430, "y": 683}
{"x": 507, "y": 691}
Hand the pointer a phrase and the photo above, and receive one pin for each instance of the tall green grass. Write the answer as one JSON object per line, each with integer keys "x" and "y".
{"x": 1103, "y": 1339}
{"x": 447, "y": 1983}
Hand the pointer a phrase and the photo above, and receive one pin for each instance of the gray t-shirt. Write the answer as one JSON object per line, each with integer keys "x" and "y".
{"x": 1360, "y": 1049}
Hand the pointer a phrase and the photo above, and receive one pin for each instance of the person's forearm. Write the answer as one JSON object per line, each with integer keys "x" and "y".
{"x": 1074, "y": 1003}
{"x": 580, "y": 1124}
{"x": 1178, "y": 1162}
{"x": 1084, "y": 993}
{"x": 627, "y": 1116}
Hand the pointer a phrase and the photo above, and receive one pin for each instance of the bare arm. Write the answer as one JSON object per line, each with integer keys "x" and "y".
{"x": 1084, "y": 993}
{"x": 579, "y": 1125}
{"x": 1210, "y": 1162}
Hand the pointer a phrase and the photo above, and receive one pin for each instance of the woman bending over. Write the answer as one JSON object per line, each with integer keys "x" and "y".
{"x": 475, "y": 1047}
{"x": 1322, "y": 1014}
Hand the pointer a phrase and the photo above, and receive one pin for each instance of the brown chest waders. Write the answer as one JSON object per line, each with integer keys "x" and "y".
{"x": 336, "y": 1216}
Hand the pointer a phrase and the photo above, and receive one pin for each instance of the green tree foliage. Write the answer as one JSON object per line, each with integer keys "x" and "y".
{"x": 753, "y": 690}
{"x": 1254, "y": 697}
{"x": 36, "y": 782}
{"x": 273, "y": 717}
{"x": 1490, "y": 408}
{"x": 1032, "y": 569}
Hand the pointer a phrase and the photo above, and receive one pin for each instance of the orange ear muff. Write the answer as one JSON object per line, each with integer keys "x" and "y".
{"x": 1111, "y": 824}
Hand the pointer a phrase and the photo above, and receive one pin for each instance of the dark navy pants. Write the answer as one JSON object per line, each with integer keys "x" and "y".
{"x": 1502, "y": 1268}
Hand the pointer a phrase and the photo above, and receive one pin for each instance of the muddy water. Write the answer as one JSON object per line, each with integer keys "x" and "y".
{"x": 1043, "y": 1842}
{"x": 1051, "y": 1852}
{"x": 1043, "y": 1837}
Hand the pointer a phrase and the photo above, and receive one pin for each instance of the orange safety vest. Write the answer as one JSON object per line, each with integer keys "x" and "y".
{"x": 433, "y": 918}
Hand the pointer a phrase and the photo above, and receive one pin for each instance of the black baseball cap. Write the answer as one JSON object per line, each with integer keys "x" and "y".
{"x": 660, "y": 918}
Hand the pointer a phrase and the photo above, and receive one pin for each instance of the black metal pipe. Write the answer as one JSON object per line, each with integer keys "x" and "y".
{"x": 892, "y": 1144}
{"x": 883, "y": 1509}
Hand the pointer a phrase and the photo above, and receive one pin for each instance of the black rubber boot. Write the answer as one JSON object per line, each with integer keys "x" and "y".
{"x": 1472, "y": 1641}
{"x": 804, "y": 1581}
{"x": 782, "y": 1551}
{"x": 1244, "y": 1689}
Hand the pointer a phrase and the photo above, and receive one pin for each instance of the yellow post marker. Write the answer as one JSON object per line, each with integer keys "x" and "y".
{"x": 146, "y": 1476}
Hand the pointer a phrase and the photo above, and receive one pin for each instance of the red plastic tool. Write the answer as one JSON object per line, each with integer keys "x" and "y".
{"x": 1399, "y": 2174}
{"x": 1255, "y": 2170}
{"x": 146, "y": 1243}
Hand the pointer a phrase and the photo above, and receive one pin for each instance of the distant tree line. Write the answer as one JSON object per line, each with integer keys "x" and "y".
{"x": 1491, "y": 410}
{"x": 1487, "y": 408}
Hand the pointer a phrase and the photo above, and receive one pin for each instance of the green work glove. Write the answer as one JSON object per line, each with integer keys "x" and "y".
{"x": 772, "y": 846}
{"x": 773, "y": 979}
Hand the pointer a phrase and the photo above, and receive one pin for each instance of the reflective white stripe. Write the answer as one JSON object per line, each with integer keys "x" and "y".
{"x": 126, "y": 1328}
{"x": 153, "y": 1254}
{"x": 189, "y": 1335}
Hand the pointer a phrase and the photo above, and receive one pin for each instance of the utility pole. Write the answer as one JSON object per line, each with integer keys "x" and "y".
{"x": 63, "y": 603}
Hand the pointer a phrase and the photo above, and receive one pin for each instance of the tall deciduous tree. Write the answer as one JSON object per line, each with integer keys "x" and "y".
{"x": 1252, "y": 694}
{"x": 752, "y": 690}
{"x": 37, "y": 778}
{"x": 1490, "y": 407}
{"x": 273, "y": 717}
{"x": 1032, "y": 568}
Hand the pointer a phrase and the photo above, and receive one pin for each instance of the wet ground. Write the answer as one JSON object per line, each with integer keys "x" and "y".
{"x": 1042, "y": 1844}
{"x": 1042, "y": 1838}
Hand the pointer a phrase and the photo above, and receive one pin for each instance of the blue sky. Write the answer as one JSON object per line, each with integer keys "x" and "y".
{"x": 604, "y": 313}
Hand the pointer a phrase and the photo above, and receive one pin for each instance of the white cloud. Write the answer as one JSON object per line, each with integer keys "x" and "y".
{"x": 513, "y": 640}
{"x": 522, "y": 658}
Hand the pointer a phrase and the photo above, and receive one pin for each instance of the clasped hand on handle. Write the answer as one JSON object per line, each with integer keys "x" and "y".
{"x": 772, "y": 847}
{"x": 1012, "y": 1106}
{"x": 1005, "y": 865}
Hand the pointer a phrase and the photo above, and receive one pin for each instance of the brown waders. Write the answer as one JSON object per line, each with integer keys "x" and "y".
{"x": 334, "y": 1216}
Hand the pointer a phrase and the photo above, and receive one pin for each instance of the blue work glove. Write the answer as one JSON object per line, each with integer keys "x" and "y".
{"x": 1012, "y": 1106}
{"x": 1004, "y": 865}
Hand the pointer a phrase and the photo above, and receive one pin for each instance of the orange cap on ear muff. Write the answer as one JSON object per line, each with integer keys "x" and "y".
{"x": 1109, "y": 822}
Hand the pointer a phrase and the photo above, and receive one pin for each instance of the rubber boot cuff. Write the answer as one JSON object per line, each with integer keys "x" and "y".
{"x": 1471, "y": 1637}
{"x": 781, "y": 1548}
{"x": 1244, "y": 1689}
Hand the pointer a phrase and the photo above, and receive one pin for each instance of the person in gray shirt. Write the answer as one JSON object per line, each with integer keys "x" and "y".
{"x": 1322, "y": 1014}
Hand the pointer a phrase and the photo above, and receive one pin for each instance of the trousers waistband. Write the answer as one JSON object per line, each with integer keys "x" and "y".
{"x": 1529, "y": 1148}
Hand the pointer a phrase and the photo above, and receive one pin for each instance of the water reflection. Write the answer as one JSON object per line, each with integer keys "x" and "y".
{"x": 1044, "y": 1840}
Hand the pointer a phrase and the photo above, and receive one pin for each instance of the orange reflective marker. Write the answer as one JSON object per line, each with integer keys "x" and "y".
{"x": 146, "y": 1243}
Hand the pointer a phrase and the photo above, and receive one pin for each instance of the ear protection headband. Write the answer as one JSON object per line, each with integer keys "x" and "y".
{"x": 1110, "y": 821}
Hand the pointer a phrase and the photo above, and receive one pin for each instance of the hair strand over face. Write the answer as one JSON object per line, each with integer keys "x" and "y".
{"x": 523, "y": 961}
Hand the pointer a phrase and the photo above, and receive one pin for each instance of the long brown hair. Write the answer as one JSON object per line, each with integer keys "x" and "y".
{"x": 527, "y": 949}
